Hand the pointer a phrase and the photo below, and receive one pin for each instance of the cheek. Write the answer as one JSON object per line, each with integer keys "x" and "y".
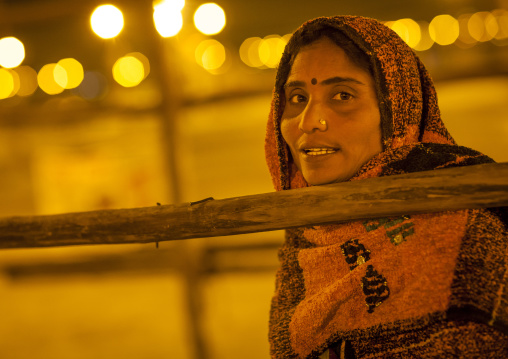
{"x": 285, "y": 129}
{"x": 290, "y": 136}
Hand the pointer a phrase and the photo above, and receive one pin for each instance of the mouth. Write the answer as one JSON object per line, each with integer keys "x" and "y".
{"x": 319, "y": 151}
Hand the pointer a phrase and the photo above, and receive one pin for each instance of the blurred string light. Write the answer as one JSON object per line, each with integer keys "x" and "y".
{"x": 46, "y": 80}
{"x": 482, "y": 26}
{"x": 501, "y": 38}
{"x": 465, "y": 39}
{"x": 249, "y": 52}
{"x": 270, "y": 50}
{"x": 167, "y": 17}
{"x": 27, "y": 80}
{"x": 107, "y": 21}
{"x": 426, "y": 41}
{"x": 263, "y": 52}
{"x": 408, "y": 29}
{"x": 444, "y": 29}
{"x": 131, "y": 69}
{"x": 12, "y": 52}
{"x": 7, "y": 83}
{"x": 68, "y": 73}
{"x": 144, "y": 60}
{"x": 20, "y": 81}
{"x": 501, "y": 16}
{"x": 210, "y": 19}
{"x": 468, "y": 29}
{"x": 211, "y": 55}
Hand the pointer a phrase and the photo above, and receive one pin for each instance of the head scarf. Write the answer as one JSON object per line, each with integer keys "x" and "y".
{"x": 407, "y": 101}
{"x": 369, "y": 286}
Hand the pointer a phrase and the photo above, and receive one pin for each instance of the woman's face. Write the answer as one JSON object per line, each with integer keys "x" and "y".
{"x": 325, "y": 85}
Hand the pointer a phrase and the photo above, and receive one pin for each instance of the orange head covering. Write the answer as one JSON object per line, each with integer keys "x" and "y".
{"x": 406, "y": 95}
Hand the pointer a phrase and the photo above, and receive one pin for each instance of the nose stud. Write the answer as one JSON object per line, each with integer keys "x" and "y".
{"x": 323, "y": 122}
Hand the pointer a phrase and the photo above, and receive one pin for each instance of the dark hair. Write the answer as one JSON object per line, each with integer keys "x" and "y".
{"x": 313, "y": 33}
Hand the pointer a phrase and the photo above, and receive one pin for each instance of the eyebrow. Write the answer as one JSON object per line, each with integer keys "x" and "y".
{"x": 330, "y": 81}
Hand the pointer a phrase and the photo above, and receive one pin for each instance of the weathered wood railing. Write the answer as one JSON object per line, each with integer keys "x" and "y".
{"x": 439, "y": 190}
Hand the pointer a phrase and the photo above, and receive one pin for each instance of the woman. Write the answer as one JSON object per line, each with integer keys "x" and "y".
{"x": 352, "y": 101}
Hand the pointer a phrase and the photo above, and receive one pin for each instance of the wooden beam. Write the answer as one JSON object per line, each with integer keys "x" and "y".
{"x": 431, "y": 191}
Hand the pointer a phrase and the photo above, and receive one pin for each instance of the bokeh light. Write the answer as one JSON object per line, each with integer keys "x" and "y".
{"x": 46, "y": 80}
{"x": 107, "y": 21}
{"x": 263, "y": 53}
{"x": 128, "y": 71}
{"x": 249, "y": 52}
{"x": 144, "y": 60}
{"x": 426, "y": 41}
{"x": 482, "y": 26}
{"x": 444, "y": 29}
{"x": 175, "y": 4}
{"x": 501, "y": 16}
{"x": 210, "y": 54}
{"x": 210, "y": 19}
{"x": 68, "y": 73}
{"x": 270, "y": 50}
{"x": 7, "y": 84}
{"x": 12, "y": 52}
{"x": 409, "y": 30}
{"x": 27, "y": 80}
{"x": 465, "y": 39}
{"x": 167, "y": 17}
{"x": 16, "y": 80}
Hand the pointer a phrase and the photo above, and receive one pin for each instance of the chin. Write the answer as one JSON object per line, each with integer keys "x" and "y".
{"x": 317, "y": 180}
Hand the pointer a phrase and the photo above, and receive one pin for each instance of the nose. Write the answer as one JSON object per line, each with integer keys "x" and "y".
{"x": 311, "y": 119}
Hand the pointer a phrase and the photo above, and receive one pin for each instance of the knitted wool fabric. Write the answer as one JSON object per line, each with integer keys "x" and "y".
{"x": 419, "y": 286}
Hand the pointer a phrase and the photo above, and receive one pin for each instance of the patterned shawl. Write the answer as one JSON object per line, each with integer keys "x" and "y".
{"x": 429, "y": 285}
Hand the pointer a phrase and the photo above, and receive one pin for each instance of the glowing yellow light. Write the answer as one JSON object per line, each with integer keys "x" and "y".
{"x": 168, "y": 19}
{"x": 210, "y": 19}
{"x": 6, "y": 83}
{"x": 107, "y": 21}
{"x": 465, "y": 39}
{"x": 12, "y": 52}
{"x": 68, "y": 73}
{"x": 175, "y": 4}
{"x": 249, "y": 52}
{"x": 444, "y": 29}
{"x": 17, "y": 83}
{"x": 144, "y": 60}
{"x": 491, "y": 25}
{"x": 210, "y": 54}
{"x": 270, "y": 50}
{"x": 482, "y": 26}
{"x": 408, "y": 30}
{"x": 501, "y": 16}
{"x": 46, "y": 80}
{"x": 128, "y": 71}
{"x": 388, "y": 23}
{"x": 426, "y": 41}
{"x": 27, "y": 80}
{"x": 245, "y": 52}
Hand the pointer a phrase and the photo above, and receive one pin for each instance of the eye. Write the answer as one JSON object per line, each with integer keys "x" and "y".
{"x": 343, "y": 96}
{"x": 297, "y": 98}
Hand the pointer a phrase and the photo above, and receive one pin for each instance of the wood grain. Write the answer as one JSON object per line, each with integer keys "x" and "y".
{"x": 478, "y": 186}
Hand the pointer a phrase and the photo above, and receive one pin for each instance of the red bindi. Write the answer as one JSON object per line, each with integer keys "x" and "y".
{"x": 313, "y": 81}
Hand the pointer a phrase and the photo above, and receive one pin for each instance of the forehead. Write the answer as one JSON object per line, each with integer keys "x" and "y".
{"x": 322, "y": 59}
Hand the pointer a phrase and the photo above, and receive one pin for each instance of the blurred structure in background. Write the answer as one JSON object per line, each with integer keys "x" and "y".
{"x": 134, "y": 103}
